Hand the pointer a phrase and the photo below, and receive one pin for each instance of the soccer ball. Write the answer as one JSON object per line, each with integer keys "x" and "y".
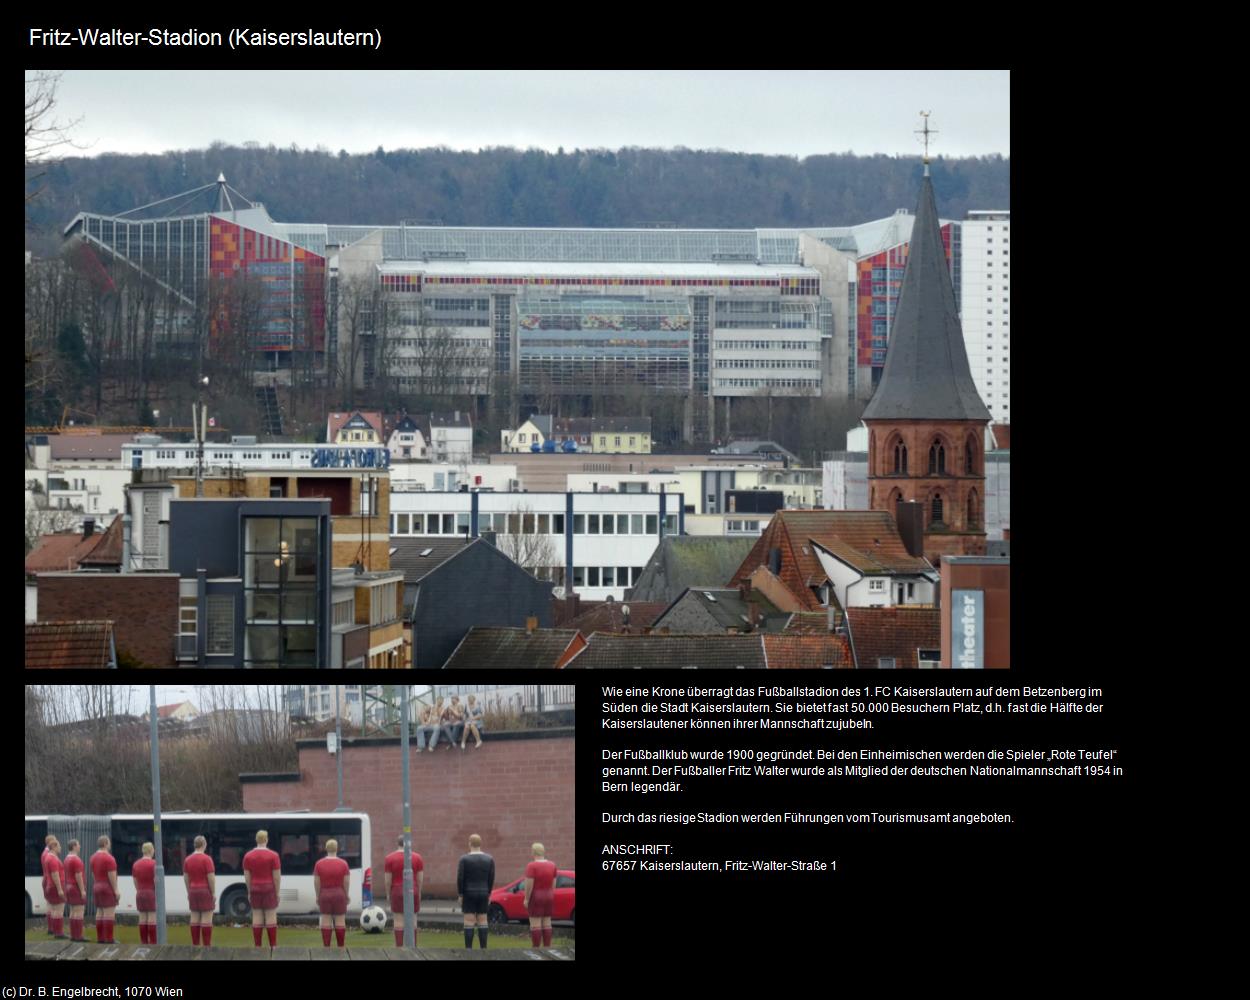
{"x": 373, "y": 919}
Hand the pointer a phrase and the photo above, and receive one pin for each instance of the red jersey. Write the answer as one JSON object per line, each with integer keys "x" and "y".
{"x": 543, "y": 873}
{"x": 54, "y": 866}
{"x": 198, "y": 866}
{"x": 332, "y": 872}
{"x": 101, "y": 864}
{"x": 43, "y": 863}
{"x": 74, "y": 867}
{"x": 262, "y": 863}
{"x": 395, "y": 865}
{"x": 144, "y": 874}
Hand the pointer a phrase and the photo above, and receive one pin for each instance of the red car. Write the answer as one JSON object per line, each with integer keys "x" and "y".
{"x": 508, "y": 903}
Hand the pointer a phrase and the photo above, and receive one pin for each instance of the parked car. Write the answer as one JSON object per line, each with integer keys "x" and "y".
{"x": 508, "y": 903}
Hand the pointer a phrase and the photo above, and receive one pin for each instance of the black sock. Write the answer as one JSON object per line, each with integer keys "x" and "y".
{"x": 468, "y": 937}
{"x": 481, "y": 935}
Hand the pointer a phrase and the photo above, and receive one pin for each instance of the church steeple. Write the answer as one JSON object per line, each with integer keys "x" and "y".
{"x": 926, "y": 422}
{"x": 926, "y": 375}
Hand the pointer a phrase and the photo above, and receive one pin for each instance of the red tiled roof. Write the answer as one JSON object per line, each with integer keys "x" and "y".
{"x": 108, "y": 547}
{"x": 94, "y": 446}
{"x": 63, "y": 551}
{"x": 894, "y": 632}
{"x": 336, "y": 421}
{"x": 810, "y": 652}
{"x": 167, "y": 711}
{"x": 69, "y": 644}
{"x": 812, "y": 622}
{"x": 865, "y": 539}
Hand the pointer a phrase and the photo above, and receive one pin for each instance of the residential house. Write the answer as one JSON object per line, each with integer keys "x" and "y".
{"x": 710, "y": 611}
{"x": 356, "y": 427}
{"x": 895, "y": 637}
{"x": 680, "y": 562}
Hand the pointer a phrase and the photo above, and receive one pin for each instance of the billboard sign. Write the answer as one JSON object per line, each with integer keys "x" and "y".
{"x": 968, "y": 629}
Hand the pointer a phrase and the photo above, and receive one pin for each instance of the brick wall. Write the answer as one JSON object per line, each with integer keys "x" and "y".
{"x": 512, "y": 791}
{"x": 143, "y": 606}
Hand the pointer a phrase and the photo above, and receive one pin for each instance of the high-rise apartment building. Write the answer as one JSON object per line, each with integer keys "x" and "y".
{"x": 986, "y": 314}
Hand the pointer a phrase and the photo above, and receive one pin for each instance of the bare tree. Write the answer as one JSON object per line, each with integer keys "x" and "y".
{"x": 536, "y": 553}
{"x": 45, "y": 135}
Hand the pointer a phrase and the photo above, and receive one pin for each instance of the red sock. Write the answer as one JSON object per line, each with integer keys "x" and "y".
{"x": 256, "y": 933}
{"x": 195, "y": 933}
{"x": 109, "y": 927}
{"x": 536, "y": 936}
{"x": 399, "y": 938}
{"x": 325, "y": 936}
{"x": 50, "y": 931}
{"x": 273, "y": 936}
{"x": 547, "y": 937}
{"x": 75, "y": 928}
{"x": 206, "y": 934}
{"x": 99, "y": 930}
{"x": 143, "y": 933}
{"x": 340, "y": 934}
{"x": 58, "y": 925}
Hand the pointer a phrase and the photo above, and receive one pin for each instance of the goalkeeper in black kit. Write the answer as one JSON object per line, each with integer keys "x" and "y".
{"x": 475, "y": 878}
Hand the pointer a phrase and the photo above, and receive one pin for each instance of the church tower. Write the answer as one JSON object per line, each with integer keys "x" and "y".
{"x": 926, "y": 422}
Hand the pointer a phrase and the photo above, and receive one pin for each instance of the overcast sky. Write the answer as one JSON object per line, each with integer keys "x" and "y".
{"x": 795, "y": 113}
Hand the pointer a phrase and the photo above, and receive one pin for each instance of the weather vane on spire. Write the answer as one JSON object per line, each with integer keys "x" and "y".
{"x": 925, "y": 133}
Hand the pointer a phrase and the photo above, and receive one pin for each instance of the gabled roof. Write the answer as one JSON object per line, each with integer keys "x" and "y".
{"x": 69, "y": 644}
{"x": 621, "y": 425}
{"x": 865, "y": 539}
{"x": 813, "y": 622}
{"x": 894, "y": 633}
{"x": 605, "y": 616}
{"x": 671, "y": 652}
{"x": 108, "y": 548}
{"x": 682, "y": 561}
{"x": 926, "y": 375}
{"x": 542, "y": 423}
{"x": 729, "y": 609}
{"x": 512, "y": 648}
{"x": 451, "y": 418}
{"x": 407, "y": 555}
{"x": 167, "y": 711}
{"x": 63, "y": 551}
{"x": 807, "y": 652}
{"x": 337, "y": 421}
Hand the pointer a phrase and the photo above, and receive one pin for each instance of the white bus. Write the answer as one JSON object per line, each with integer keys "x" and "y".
{"x": 298, "y": 837}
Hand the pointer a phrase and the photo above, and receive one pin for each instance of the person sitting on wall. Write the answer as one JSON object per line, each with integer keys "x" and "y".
{"x": 428, "y": 725}
{"x": 453, "y": 721}
{"x": 474, "y": 722}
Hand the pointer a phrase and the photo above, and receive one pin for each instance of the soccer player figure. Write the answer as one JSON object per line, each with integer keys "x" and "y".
{"x": 472, "y": 723}
{"x": 262, "y": 871}
{"x": 55, "y": 892}
{"x": 75, "y": 890}
{"x": 475, "y": 878}
{"x": 540, "y": 881}
{"x": 394, "y": 868}
{"x": 48, "y": 841}
{"x": 200, "y": 876}
{"x": 144, "y": 873}
{"x": 104, "y": 889}
{"x": 453, "y": 722}
{"x": 332, "y": 883}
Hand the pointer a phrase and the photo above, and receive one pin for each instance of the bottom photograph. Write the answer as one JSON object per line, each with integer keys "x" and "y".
{"x": 300, "y": 822}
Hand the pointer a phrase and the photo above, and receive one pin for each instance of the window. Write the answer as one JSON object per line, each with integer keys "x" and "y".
{"x": 557, "y": 524}
{"x": 653, "y": 524}
{"x": 900, "y": 459}
{"x": 636, "y": 523}
{"x": 220, "y": 612}
{"x": 937, "y": 458}
{"x": 622, "y": 524}
{"x": 609, "y": 576}
{"x": 911, "y": 590}
{"x": 609, "y": 524}
{"x": 187, "y": 615}
{"x": 579, "y": 576}
{"x": 579, "y": 524}
{"x": 876, "y": 586}
{"x": 970, "y": 458}
{"x": 432, "y": 529}
{"x": 592, "y": 576}
{"x": 449, "y": 524}
{"x": 935, "y": 512}
{"x": 403, "y": 525}
{"x": 592, "y": 524}
{"x": 544, "y": 524}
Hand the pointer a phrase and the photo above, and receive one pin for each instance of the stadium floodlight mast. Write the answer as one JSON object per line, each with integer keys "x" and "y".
{"x": 403, "y": 744}
{"x": 338, "y": 743}
{"x": 156, "y": 819}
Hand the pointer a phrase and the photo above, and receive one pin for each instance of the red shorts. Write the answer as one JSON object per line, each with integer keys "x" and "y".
{"x": 74, "y": 897}
{"x": 145, "y": 900}
{"x": 397, "y": 901}
{"x": 201, "y": 900}
{"x": 263, "y": 898}
{"x": 333, "y": 901}
{"x": 104, "y": 895}
{"x": 541, "y": 903}
{"x": 52, "y": 898}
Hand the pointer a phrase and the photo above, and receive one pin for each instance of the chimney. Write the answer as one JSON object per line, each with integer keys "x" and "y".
{"x": 753, "y": 613}
{"x": 125, "y": 543}
{"x": 774, "y": 561}
{"x": 744, "y": 588}
{"x": 88, "y": 527}
{"x": 910, "y": 517}
{"x": 531, "y": 623}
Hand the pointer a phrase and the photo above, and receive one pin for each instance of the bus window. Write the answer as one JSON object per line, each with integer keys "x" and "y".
{"x": 228, "y": 841}
{"x": 294, "y": 851}
{"x": 36, "y": 830}
{"x": 349, "y": 847}
{"x": 129, "y": 836}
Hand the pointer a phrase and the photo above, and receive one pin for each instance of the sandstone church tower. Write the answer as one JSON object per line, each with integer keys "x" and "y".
{"x": 926, "y": 422}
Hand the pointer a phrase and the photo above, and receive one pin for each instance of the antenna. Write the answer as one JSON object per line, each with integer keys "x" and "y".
{"x": 925, "y": 133}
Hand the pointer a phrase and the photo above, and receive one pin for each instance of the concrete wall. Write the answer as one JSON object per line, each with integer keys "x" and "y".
{"x": 512, "y": 791}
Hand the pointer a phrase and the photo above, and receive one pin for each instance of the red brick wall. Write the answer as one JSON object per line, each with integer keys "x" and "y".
{"x": 512, "y": 792}
{"x": 144, "y": 608}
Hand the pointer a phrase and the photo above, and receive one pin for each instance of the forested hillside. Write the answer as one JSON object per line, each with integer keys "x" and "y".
{"x": 510, "y": 187}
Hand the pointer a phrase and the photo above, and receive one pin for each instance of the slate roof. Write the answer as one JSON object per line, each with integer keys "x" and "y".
{"x": 621, "y": 425}
{"x": 64, "y": 551}
{"x": 542, "y": 421}
{"x": 866, "y": 539}
{"x": 69, "y": 644}
{"x": 728, "y": 609}
{"x": 606, "y": 616}
{"x": 511, "y": 648}
{"x": 926, "y": 374}
{"x": 807, "y": 652}
{"x": 703, "y": 652}
{"x": 451, "y": 418}
{"x": 756, "y": 447}
{"x": 689, "y": 561}
{"x": 894, "y": 632}
{"x": 407, "y": 555}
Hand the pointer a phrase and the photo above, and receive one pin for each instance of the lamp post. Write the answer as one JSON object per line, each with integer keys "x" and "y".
{"x": 200, "y": 429}
{"x": 403, "y": 743}
{"x": 156, "y": 819}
